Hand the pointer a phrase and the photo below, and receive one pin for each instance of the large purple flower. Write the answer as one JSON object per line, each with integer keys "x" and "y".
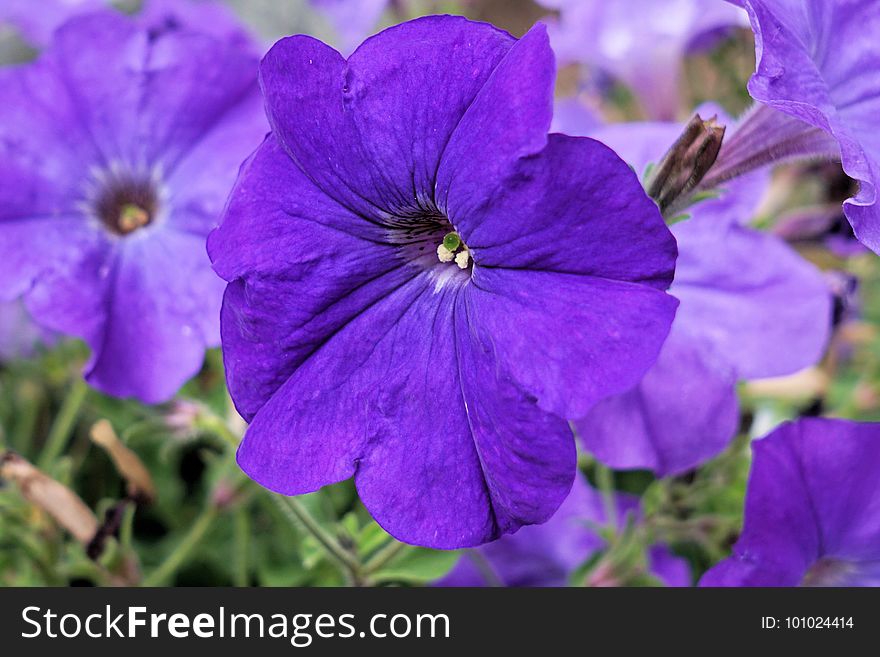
{"x": 117, "y": 149}
{"x": 423, "y": 283}
{"x": 750, "y": 307}
{"x": 812, "y": 513}
{"x": 640, "y": 42}
{"x": 819, "y": 62}
{"x": 548, "y": 554}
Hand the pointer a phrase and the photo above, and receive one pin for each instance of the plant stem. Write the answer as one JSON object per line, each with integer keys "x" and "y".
{"x": 605, "y": 482}
{"x": 241, "y": 575}
{"x": 382, "y": 556}
{"x": 182, "y": 552}
{"x": 300, "y": 516}
{"x": 64, "y": 424}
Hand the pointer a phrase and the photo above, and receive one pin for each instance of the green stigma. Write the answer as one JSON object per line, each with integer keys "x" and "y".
{"x": 452, "y": 241}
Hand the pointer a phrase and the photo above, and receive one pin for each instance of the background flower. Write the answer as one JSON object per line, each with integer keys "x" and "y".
{"x": 819, "y": 62}
{"x": 119, "y": 145}
{"x": 549, "y": 554}
{"x": 640, "y": 42}
{"x": 750, "y": 308}
{"x": 812, "y": 509}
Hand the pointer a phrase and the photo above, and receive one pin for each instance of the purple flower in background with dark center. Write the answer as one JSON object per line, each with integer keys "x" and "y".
{"x": 118, "y": 148}
{"x": 812, "y": 511}
{"x": 819, "y": 63}
{"x": 548, "y": 554}
{"x": 423, "y": 283}
{"x": 751, "y": 307}
{"x": 640, "y": 42}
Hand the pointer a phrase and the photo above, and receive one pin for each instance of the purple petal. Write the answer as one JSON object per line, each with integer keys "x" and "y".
{"x": 682, "y": 413}
{"x": 761, "y": 306}
{"x": 571, "y": 340}
{"x": 507, "y": 122}
{"x": 434, "y": 463}
{"x": 617, "y": 228}
{"x": 148, "y": 96}
{"x": 335, "y": 263}
{"x": 811, "y": 511}
{"x": 371, "y": 131}
{"x": 820, "y": 62}
{"x": 548, "y": 554}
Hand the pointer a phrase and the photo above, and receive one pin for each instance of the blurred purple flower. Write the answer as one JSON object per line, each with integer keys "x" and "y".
{"x": 352, "y": 20}
{"x": 819, "y": 62}
{"x": 548, "y": 554}
{"x": 118, "y": 147}
{"x": 640, "y": 42}
{"x": 812, "y": 510}
{"x": 20, "y": 337}
{"x": 358, "y": 346}
{"x": 751, "y": 307}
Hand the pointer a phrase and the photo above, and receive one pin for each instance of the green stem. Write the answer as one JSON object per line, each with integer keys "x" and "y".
{"x": 181, "y": 553}
{"x": 64, "y": 424}
{"x": 298, "y": 514}
{"x": 605, "y": 482}
{"x": 241, "y": 575}
{"x": 27, "y": 412}
{"x": 385, "y": 554}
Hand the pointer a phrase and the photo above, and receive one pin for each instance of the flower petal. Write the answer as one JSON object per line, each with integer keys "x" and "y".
{"x": 576, "y": 190}
{"x": 147, "y": 95}
{"x": 752, "y": 297}
{"x": 147, "y": 309}
{"x": 813, "y": 494}
{"x": 371, "y": 131}
{"x": 570, "y": 340}
{"x": 434, "y": 463}
{"x": 682, "y": 413}
{"x": 301, "y": 267}
{"x": 820, "y": 62}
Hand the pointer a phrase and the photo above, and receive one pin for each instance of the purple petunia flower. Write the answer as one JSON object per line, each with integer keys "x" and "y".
{"x": 353, "y": 20}
{"x": 640, "y": 42}
{"x": 750, "y": 307}
{"x": 819, "y": 62}
{"x": 423, "y": 283}
{"x": 548, "y": 554}
{"x": 812, "y": 513}
{"x": 118, "y": 147}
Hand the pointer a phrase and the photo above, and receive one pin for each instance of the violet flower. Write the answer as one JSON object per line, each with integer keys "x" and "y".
{"x": 423, "y": 283}
{"x": 819, "y": 67}
{"x": 640, "y": 42}
{"x": 751, "y": 307}
{"x": 118, "y": 147}
{"x": 548, "y": 554}
{"x": 812, "y": 510}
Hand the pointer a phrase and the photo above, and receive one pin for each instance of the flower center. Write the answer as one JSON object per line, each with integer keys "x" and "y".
{"x": 452, "y": 248}
{"x": 125, "y": 203}
{"x": 426, "y": 238}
